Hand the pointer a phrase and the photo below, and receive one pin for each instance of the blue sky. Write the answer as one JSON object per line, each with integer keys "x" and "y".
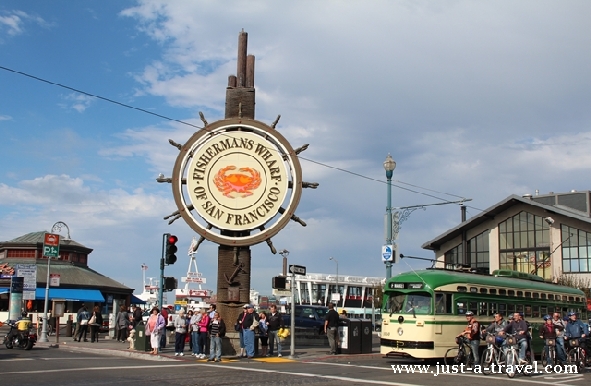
{"x": 473, "y": 99}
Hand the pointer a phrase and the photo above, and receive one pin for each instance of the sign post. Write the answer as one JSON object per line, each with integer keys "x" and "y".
{"x": 51, "y": 248}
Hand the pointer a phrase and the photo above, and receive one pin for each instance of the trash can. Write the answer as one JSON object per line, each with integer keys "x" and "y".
{"x": 142, "y": 341}
{"x": 366, "y": 336}
{"x": 350, "y": 336}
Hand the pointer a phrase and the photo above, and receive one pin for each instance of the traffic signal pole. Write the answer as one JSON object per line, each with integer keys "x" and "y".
{"x": 161, "y": 281}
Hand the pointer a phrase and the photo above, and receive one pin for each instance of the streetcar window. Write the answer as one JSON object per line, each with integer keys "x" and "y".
{"x": 482, "y": 308}
{"x": 571, "y": 299}
{"x": 473, "y": 290}
{"x": 461, "y": 308}
{"x": 543, "y": 310}
{"x": 418, "y": 303}
{"x": 502, "y": 308}
{"x": 502, "y": 292}
{"x": 394, "y": 303}
{"x": 493, "y": 291}
{"x": 527, "y": 294}
{"x": 527, "y": 312}
{"x": 493, "y": 308}
{"x": 556, "y": 297}
{"x": 483, "y": 290}
{"x": 519, "y": 293}
{"x": 519, "y": 308}
{"x": 551, "y": 297}
{"x": 473, "y": 306}
{"x": 511, "y": 293}
{"x": 536, "y": 295}
{"x": 536, "y": 311}
{"x": 544, "y": 296}
{"x": 462, "y": 289}
{"x": 443, "y": 303}
{"x": 510, "y": 309}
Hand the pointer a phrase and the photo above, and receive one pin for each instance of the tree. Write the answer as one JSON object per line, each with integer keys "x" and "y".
{"x": 575, "y": 282}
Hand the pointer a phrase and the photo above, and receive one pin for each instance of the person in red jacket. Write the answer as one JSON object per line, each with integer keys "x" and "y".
{"x": 203, "y": 329}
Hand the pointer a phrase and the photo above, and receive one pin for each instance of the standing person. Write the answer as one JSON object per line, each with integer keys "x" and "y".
{"x": 559, "y": 326}
{"x": 263, "y": 335}
{"x": 189, "y": 334}
{"x": 96, "y": 321}
{"x": 122, "y": 322}
{"x": 241, "y": 331}
{"x": 249, "y": 322}
{"x": 137, "y": 315}
{"x": 154, "y": 328}
{"x": 77, "y": 329}
{"x": 331, "y": 328}
{"x": 274, "y": 323}
{"x": 180, "y": 330}
{"x": 194, "y": 324}
{"x": 217, "y": 331}
{"x": 203, "y": 329}
{"x": 210, "y": 313}
{"x": 165, "y": 312}
{"x": 472, "y": 332}
{"x": 83, "y": 318}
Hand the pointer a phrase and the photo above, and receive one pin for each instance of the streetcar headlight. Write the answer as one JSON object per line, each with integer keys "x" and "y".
{"x": 400, "y": 331}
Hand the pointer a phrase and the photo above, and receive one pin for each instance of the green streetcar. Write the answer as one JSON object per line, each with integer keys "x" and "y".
{"x": 423, "y": 311}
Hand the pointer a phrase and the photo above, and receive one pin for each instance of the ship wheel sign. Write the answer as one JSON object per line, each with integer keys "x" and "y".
{"x": 237, "y": 182}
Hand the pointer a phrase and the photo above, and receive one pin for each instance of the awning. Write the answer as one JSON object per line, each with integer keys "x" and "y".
{"x": 134, "y": 300}
{"x": 74, "y": 295}
{"x": 4, "y": 291}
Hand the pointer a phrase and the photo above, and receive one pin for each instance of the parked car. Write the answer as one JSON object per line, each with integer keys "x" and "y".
{"x": 308, "y": 316}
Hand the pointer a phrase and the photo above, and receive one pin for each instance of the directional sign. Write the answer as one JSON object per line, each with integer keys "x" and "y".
{"x": 51, "y": 245}
{"x": 297, "y": 269}
{"x": 199, "y": 280}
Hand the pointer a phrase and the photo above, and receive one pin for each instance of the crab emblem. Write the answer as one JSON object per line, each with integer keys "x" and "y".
{"x": 242, "y": 183}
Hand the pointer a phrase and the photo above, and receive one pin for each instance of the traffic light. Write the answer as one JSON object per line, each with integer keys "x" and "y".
{"x": 278, "y": 282}
{"x": 171, "y": 248}
{"x": 170, "y": 283}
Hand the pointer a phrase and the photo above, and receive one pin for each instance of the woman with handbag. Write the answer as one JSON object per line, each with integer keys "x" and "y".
{"x": 155, "y": 329}
{"x": 95, "y": 322}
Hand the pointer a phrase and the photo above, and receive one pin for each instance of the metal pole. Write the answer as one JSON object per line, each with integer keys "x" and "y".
{"x": 338, "y": 291}
{"x": 44, "y": 337}
{"x": 161, "y": 284}
{"x": 389, "y": 222}
{"x": 292, "y": 344}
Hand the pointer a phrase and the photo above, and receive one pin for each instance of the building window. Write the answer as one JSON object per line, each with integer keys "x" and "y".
{"x": 524, "y": 245}
{"x": 477, "y": 251}
{"x": 576, "y": 250}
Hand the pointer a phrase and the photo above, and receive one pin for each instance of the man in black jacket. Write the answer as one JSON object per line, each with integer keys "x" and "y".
{"x": 274, "y": 323}
{"x": 331, "y": 328}
{"x": 137, "y": 315}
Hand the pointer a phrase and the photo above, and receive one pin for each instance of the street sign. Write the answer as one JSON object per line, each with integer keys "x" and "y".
{"x": 29, "y": 273}
{"x": 54, "y": 279}
{"x": 51, "y": 245}
{"x": 297, "y": 269}
{"x": 387, "y": 253}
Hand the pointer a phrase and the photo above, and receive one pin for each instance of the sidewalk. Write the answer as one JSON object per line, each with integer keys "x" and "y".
{"x": 106, "y": 346}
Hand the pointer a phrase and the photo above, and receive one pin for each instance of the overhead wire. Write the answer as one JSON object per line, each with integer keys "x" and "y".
{"x": 201, "y": 128}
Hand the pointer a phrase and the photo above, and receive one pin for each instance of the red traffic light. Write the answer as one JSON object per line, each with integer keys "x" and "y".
{"x": 172, "y": 239}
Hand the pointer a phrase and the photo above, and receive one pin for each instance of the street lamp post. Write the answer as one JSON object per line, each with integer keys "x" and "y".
{"x": 389, "y": 165}
{"x": 57, "y": 227}
{"x": 337, "y": 279}
{"x": 285, "y": 253}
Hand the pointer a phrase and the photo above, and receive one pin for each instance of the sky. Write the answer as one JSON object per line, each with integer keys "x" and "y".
{"x": 474, "y": 100}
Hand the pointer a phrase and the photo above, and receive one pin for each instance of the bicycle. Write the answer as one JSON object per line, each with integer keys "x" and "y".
{"x": 492, "y": 355}
{"x": 576, "y": 354}
{"x": 512, "y": 355}
{"x": 460, "y": 354}
{"x": 550, "y": 353}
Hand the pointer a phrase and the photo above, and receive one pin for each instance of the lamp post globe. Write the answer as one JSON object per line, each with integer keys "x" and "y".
{"x": 389, "y": 166}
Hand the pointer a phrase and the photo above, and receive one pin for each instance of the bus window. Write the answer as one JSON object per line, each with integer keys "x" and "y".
{"x": 442, "y": 303}
{"x": 536, "y": 312}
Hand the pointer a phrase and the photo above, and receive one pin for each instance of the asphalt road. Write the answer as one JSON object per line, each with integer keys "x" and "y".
{"x": 67, "y": 366}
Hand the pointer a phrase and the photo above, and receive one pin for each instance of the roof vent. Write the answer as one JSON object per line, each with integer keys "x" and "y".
{"x": 527, "y": 195}
{"x": 573, "y": 191}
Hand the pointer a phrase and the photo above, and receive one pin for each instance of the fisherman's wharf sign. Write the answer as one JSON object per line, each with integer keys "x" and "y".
{"x": 237, "y": 182}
